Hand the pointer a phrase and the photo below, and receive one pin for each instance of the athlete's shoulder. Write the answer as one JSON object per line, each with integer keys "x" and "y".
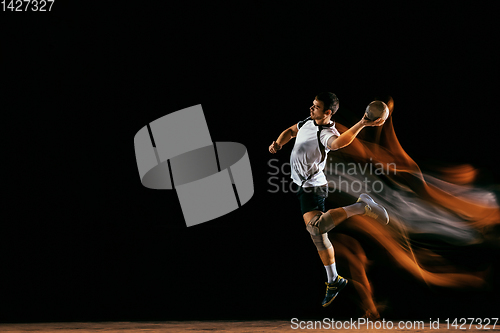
{"x": 333, "y": 129}
{"x": 302, "y": 122}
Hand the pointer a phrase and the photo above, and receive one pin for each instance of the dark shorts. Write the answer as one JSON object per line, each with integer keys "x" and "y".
{"x": 311, "y": 198}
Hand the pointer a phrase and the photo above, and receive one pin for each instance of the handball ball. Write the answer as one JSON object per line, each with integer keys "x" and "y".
{"x": 377, "y": 109}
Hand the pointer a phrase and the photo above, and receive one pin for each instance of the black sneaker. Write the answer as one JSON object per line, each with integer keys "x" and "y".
{"x": 332, "y": 290}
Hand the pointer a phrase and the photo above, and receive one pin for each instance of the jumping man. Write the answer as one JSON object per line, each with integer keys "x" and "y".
{"x": 315, "y": 137}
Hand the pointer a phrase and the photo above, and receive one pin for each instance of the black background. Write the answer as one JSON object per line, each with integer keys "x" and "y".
{"x": 82, "y": 239}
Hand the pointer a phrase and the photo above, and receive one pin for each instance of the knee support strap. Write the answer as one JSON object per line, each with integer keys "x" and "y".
{"x": 320, "y": 224}
{"x": 321, "y": 241}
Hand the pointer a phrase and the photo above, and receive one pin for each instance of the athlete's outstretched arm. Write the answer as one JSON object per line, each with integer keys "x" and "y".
{"x": 337, "y": 142}
{"x": 285, "y": 136}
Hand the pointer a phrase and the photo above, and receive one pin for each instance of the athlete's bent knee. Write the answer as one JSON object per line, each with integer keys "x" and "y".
{"x": 320, "y": 224}
{"x": 322, "y": 242}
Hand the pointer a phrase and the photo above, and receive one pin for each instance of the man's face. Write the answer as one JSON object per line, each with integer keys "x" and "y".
{"x": 317, "y": 110}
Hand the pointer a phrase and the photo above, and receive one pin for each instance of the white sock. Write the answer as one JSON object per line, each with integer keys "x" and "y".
{"x": 355, "y": 209}
{"x": 331, "y": 272}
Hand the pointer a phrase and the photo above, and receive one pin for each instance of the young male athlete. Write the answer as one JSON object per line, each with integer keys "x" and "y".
{"x": 315, "y": 137}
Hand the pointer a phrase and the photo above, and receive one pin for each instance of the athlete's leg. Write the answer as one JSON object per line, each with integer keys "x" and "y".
{"x": 327, "y": 254}
{"x": 335, "y": 282}
{"x": 320, "y": 223}
{"x": 338, "y": 215}
{"x": 312, "y": 206}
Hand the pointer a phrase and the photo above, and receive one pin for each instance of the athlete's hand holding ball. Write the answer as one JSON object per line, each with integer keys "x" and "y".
{"x": 367, "y": 122}
{"x": 376, "y": 114}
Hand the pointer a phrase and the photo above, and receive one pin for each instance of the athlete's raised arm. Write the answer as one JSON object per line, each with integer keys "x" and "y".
{"x": 285, "y": 136}
{"x": 348, "y": 136}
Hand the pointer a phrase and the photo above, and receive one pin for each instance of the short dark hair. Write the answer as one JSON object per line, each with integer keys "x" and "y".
{"x": 330, "y": 101}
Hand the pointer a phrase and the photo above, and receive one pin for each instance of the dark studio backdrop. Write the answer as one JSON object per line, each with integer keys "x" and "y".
{"x": 82, "y": 239}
